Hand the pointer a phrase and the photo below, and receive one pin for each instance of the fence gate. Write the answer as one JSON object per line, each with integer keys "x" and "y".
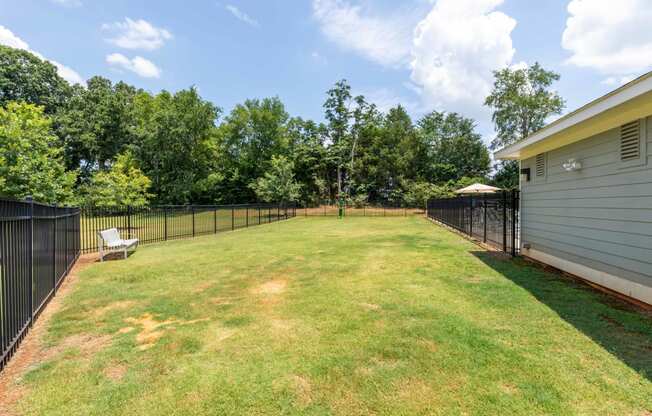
{"x": 490, "y": 218}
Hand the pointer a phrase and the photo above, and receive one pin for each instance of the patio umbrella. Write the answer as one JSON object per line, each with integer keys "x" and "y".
{"x": 478, "y": 188}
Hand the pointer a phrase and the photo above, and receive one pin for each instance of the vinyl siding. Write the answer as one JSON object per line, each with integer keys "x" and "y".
{"x": 599, "y": 217}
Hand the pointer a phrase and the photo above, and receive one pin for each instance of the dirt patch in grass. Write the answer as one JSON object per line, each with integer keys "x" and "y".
{"x": 303, "y": 390}
{"x": 508, "y": 388}
{"x": 115, "y": 372}
{"x": 203, "y": 287}
{"x": 31, "y": 349}
{"x": 273, "y": 287}
{"x": 151, "y": 329}
{"x": 115, "y": 306}
{"x": 220, "y": 301}
{"x": 370, "y": 306}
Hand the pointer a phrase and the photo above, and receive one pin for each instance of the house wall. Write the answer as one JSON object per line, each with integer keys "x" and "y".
{"x": 595, "y": 222}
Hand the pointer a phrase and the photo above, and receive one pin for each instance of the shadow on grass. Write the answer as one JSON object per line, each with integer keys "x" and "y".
{"x": 622, "y": 329}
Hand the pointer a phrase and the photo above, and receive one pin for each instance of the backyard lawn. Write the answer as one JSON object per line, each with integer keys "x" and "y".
{"x": 319, "y": 316}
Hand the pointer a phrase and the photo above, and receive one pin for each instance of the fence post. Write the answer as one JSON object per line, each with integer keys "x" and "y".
{"x": 505, "y": 221}
{"x": 484, "y": 219}
{"x": 471, "y": 219}
{"x": 247, "y": 223}
{"x": 192, "y": 208}
{"x": 278, "y": 212}
{"x": 54, "y": 254}
{"x": 67, "y": 234}
{"x": 129, "y": 221}
{"x": 258, "y": 214}
{"x": 232, "y": 218}
{"x": 214, "y": 220}
{"x": 165, "y": 223}
{"x": 515, "y": 203}
{"x": 30, "y": 201}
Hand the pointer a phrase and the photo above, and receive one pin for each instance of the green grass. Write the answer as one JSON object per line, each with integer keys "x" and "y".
{"x": 317, "y": 316}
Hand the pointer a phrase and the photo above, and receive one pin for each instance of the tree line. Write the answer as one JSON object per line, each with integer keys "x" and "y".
{"x": 111, "y": 144}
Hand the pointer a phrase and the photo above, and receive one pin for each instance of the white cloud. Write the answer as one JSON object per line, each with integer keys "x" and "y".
{"x": 68, "y": 3}
{"x": 137, "y": 65}
{"x": 137, "y": 34}
{"x": 617, "y": 81}
{"x": 386, "y": 99}
{"x": 456, "y": 47}
{"x": 8, "y": 38}
{"x": 611, "y": 37}
{"x": 385, "y": 40}
{"x": 242, "y": 16}
{"x": 451, "y": 51}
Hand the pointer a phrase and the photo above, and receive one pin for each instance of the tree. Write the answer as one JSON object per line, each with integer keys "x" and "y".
{"x": 521, "y": 100}
{"x": 278, "y": 184}
{"x": 25, "y": 77}
{"x": 309, "y": 156}
{"x": 337, "y": 114}
{"x": 96, "y": 124}
{"x": 456, "y": 150}
{"x": 175, "y": 144}
{"x": 31, "y": 161}
{"x": 247, "y": 139}
{"x": 124, "y": 184}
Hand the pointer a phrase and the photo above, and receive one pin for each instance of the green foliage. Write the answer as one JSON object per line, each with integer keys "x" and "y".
{"x": 417, "y": 194}
{"x": 456, "y": 150}
{"x": 124, "y": 184}
{"x": 30, "y": 161}
{"x": 26, "y": 77}
{"x": 521, "y": 100}
{"x": 247, "y": 139}
{"x": 174, "y": 138}
{"x": 278, "y": 184}
{"x": 507, "y": 175}
{"x": 95, "y": 124}
{"x": 175, "y": 144}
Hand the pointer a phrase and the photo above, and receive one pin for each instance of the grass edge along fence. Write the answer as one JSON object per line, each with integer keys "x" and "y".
{"x": 39, "y": 244}
{"x": 331, "y": 209}
{"x": 490, "y": 218}
{"x": 168, "y": 222}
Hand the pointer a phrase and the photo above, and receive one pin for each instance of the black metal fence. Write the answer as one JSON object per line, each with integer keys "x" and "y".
{"x": 162, "y": 223}
{"x": 490, "y": 218}
{"x": 332, "y": 210}
{"x": 39, "y": 244}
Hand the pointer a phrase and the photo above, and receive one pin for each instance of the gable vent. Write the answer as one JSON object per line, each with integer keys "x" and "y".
{"x": 541, "y": 165}
{"x": 630, "y": 141}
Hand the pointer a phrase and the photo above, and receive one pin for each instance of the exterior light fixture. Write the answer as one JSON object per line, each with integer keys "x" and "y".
{"x": 525, "y": 175}
{"x": 572, "y": 165}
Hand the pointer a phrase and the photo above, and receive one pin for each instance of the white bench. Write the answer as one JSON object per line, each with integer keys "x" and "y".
{"x": 109, "y": 241}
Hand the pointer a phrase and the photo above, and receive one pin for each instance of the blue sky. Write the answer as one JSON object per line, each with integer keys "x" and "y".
{"x": 424, "y": 54}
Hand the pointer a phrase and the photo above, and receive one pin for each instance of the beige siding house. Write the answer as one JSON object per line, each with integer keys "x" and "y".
{"x": 586, "y": 191}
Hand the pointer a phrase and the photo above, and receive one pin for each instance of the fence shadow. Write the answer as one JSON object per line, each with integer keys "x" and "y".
{"x": 622, "y": 329}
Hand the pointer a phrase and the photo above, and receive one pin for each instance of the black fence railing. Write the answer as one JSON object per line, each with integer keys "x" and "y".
{"x": 39, "y": 244}
{"x": 162, "y": 223}
{"x": 490, "y": 218}
{"x": 331, "y": 209}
